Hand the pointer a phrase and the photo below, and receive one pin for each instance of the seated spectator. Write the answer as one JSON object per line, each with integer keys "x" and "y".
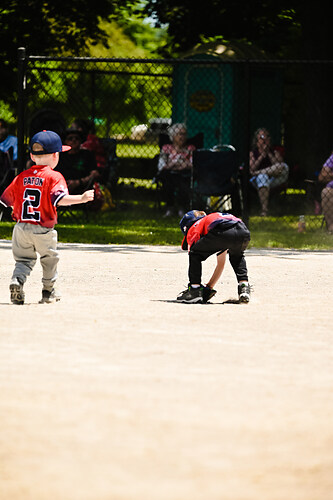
{"x": 8, "y": 155}
{"x": 174, "y": 170}
{"x": 7, "y": 141}
{"x": 90, "y": 141}
{"x": 326, "y": 175}
{"x": 78, "y": 166}
{"x": 267, "y": 168}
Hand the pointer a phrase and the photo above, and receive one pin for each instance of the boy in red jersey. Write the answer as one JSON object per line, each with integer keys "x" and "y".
{"x": 205, "y": 235}
{"x": 34, "y": 195}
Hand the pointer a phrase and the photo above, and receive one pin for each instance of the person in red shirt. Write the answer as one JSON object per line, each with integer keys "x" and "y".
{"x": 34, "y": 195}
{"x": 91, "y": 141}
{"x": 205, "y": 235}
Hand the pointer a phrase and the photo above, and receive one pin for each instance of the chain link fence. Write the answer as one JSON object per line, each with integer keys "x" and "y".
{"x": 226, "y": 101}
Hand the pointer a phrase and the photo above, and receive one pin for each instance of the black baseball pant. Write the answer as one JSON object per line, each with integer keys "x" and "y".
{"x": 235, "y": 240}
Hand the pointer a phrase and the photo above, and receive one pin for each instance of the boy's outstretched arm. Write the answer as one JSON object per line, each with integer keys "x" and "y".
{"x": 221, "y": 258}
{"x": 74, "y": 199}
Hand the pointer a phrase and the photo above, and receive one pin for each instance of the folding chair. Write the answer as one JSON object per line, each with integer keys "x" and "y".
{"x": 216, "y": 184}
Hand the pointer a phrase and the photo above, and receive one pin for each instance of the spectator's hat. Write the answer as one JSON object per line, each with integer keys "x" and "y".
{"x": 50, "y": 142}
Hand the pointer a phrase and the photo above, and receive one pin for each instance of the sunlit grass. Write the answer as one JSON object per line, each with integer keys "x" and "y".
{"x": 132, "y": 150}
{"x": 143, "y": 225}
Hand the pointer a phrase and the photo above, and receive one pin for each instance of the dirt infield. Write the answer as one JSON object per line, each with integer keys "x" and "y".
{"x": 119, "y": 393}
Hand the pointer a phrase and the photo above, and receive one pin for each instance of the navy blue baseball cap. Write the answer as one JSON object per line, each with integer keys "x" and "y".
{"x": 50, "y": 142}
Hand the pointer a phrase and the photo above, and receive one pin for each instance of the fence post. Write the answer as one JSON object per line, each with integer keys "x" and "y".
{"x": 246, "y": 176}
{"x": 21, "y": 107}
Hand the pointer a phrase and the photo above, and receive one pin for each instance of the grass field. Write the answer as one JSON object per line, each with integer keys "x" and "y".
{"x": 144, "y": 226}
{"x": 125, "y": 150}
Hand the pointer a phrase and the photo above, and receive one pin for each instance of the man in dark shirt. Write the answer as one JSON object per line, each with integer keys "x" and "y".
{"x": 79, "y": 165}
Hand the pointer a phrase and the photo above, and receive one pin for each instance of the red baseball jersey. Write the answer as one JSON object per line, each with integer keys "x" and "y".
{"x": 34, "y": 195}
{"x": 205, "y": 224}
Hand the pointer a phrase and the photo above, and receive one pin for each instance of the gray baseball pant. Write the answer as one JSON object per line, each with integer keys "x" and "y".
{"x": 27, "y": 241}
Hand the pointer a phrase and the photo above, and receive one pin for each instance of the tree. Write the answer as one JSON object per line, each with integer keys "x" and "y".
{"x": 102, "y": 28}
{"x": 46, "y": 28}
{"x": 288, "y": 28}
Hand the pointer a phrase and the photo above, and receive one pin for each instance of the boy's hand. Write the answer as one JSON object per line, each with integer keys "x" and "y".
{"x": 88, "y": 196}
{"x": 207, "y": 293}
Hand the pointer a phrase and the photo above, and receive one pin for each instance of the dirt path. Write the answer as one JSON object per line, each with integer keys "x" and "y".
{"x": 119, "y": 393}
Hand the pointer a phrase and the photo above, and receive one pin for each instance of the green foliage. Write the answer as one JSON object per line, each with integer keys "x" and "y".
{"x": 119, "y": 104}
{"x": 118, "y": 43}
{"x": 6, "y": 113}
{"x": 45, "y": 28}
{"x": 79, "y": 28}
{"x": 289, "y": 29}
{"x": 143, "y": 34}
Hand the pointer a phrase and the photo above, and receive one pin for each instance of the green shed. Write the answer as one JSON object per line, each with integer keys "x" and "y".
{"x": 218, "y": 97}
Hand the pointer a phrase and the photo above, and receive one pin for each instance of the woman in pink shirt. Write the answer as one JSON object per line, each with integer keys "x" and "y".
{"x": 174, "y": 166}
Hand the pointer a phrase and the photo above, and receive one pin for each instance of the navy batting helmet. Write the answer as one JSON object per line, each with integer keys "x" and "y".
{"x": 189, "y": 219}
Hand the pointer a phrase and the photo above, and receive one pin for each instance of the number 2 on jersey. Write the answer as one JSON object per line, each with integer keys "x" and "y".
{"x": 31, "y": 203}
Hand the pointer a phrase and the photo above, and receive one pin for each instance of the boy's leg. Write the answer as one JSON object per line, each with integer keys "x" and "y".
{"x": 195, "y": 268}
{"x": 238, "y": 262}
{"x": 24, "y": 252}
{"x": 25, "y": 256}
{"x": 45, "y": 240}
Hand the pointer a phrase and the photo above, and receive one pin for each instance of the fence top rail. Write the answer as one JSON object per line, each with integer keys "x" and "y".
{"x": 181, "y": 61}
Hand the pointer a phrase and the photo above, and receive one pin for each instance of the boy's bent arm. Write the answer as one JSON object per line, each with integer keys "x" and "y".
{"x": 75, "y": 199}
{"x": 221, "y": 257}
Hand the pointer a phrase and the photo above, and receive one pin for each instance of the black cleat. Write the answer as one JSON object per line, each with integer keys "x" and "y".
{"x": 191, "y": 295}
{"x": 244, "y": 292}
